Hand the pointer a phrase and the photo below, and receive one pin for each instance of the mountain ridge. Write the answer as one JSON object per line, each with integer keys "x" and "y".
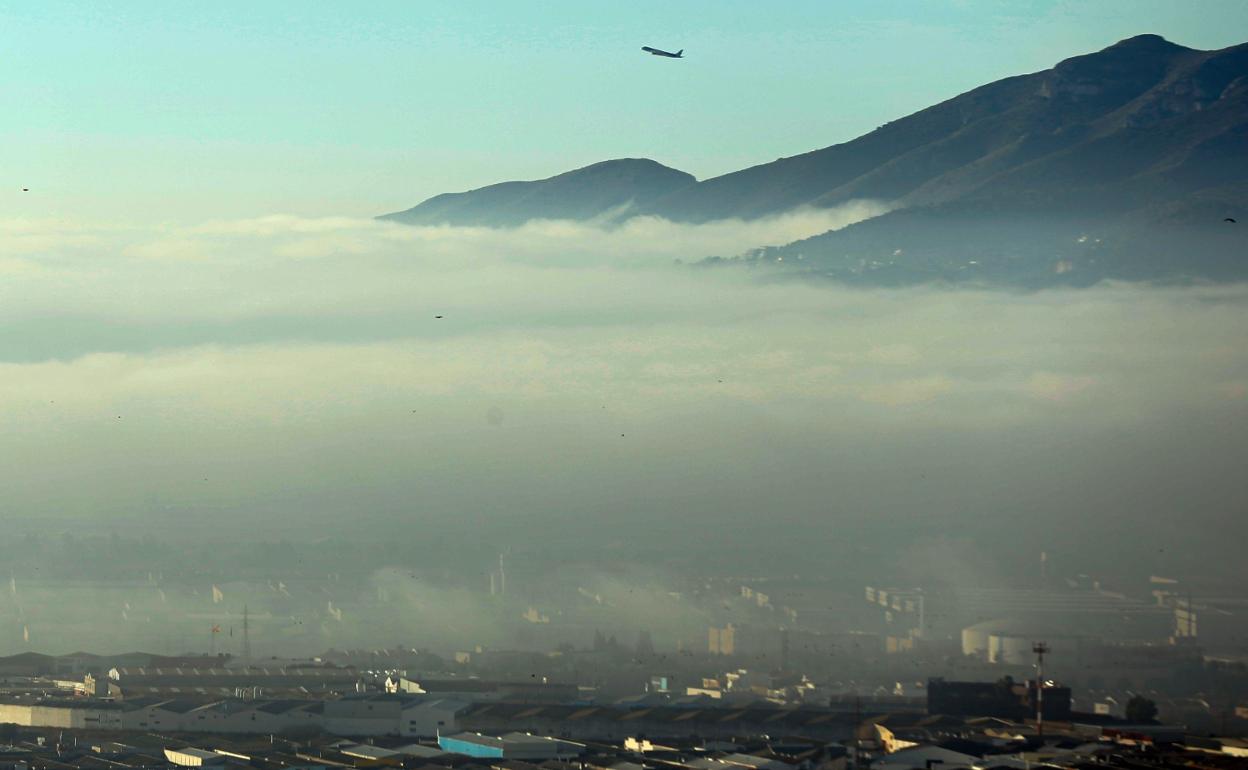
{"x": 1119, "y": 143}
{"x": 589, "y": 192}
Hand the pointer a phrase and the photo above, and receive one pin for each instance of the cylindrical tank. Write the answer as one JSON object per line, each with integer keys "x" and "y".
{"x": 975, "y": 639}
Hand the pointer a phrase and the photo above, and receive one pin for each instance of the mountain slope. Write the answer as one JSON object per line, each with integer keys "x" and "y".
{"x": 1085, "y": 122}
{"x": 594, "y": 191}
{"x": 1123, "y": 165}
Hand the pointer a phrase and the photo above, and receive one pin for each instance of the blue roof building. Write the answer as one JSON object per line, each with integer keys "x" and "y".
{"x": 509, "y": 746}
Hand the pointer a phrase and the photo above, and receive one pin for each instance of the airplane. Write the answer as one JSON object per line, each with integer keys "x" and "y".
{"x": 657, "y": 52}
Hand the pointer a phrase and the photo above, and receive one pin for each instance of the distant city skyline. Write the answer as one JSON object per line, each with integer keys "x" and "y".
{"x": 177, "y": 111}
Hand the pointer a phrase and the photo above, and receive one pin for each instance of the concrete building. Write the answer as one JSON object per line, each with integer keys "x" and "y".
{"x": 68, "y": 714}
{"x": 722, "y": 641}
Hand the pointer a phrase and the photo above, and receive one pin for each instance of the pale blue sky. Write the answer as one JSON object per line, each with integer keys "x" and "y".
{"x": 173, "y": 110}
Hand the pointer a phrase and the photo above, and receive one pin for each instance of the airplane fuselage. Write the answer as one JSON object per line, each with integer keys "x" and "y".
{"x": 659, "y": 52}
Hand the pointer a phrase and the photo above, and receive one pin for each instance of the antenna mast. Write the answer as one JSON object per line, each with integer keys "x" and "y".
{"x": 1040, "y": 648}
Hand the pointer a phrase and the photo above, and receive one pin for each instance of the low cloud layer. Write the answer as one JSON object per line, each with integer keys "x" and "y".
{"x": 292, "y": 376}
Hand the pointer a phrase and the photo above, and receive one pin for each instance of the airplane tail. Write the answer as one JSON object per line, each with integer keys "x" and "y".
{"x": 681, "y": 52}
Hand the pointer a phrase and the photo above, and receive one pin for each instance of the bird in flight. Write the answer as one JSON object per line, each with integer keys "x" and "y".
{"x": 659, "y": 52}
{"x": 1228, "y": 219}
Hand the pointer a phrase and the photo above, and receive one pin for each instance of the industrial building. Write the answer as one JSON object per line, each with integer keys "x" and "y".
{"x": 376, "y": 715}
{"x": 510, "y": 746}
{"x": 218, "y": 681}
{"x": 482, "y": 689}
{"x": 1005, "y": 699}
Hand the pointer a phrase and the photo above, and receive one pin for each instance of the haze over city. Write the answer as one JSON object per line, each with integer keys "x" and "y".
{"x": 859, "y": 347}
